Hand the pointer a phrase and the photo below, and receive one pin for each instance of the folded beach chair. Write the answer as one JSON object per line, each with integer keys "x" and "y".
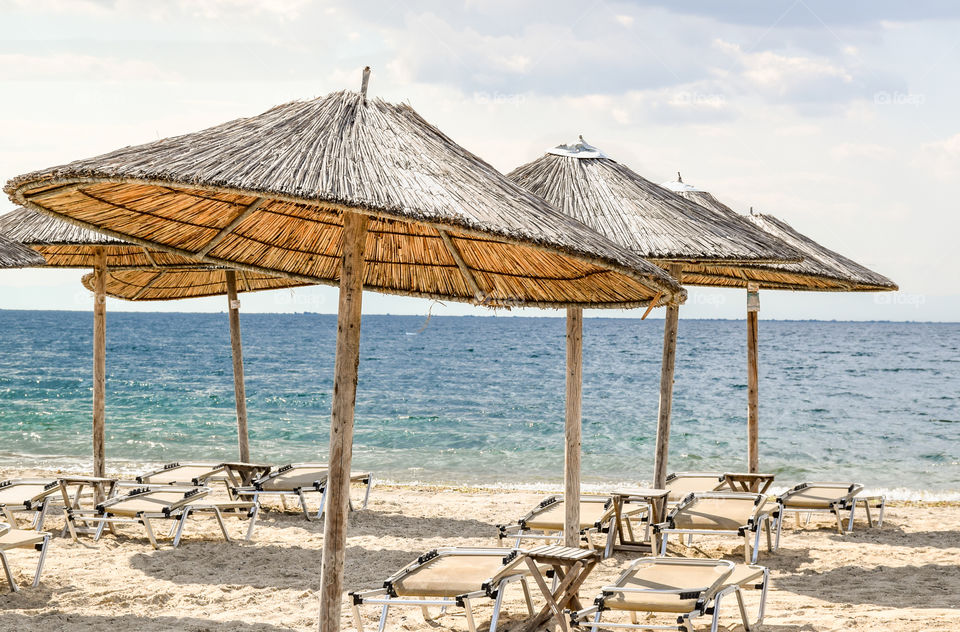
{"x": 13, "y": 538}
{"x": 680, "y": 587}
{"x": 828, "y": 497}
{"x": 166, "y": 502}
{"x": 719, "y": 513}
{"x": 299, "y": 479}
{"x": 452, "y": 577}
{"x": 682, "y": 484}
{"x": 196, "y": 474}
{"x": 30, "y": 495}
{"x": 545, "y": 521}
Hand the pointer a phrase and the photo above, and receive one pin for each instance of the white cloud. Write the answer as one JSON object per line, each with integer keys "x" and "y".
{"x": 862, "y": 150}
{"x": 79, "y": 67}
{"x": 784, "y": 75}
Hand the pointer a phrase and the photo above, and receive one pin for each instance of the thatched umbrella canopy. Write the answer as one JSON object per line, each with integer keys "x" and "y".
{"x": 356, "y": 192}
{"x": 654, "y": 223}
{"x": 172, "y": 283}
{"x": 821, "y": 270}
{"x": 14, "y": 255}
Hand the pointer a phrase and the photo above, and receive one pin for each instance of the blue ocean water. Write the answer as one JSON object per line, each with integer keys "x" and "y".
{"x": 480, "y": 400}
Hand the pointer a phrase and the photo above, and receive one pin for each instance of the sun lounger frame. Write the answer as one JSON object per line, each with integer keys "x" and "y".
{"x": 193, "y": 502}
{"x": 708, "y": 599}
{"x": 387, "y": 598}
{"x": 319, "y": 486}
{"x": 751, "y": 530}
{"x": 38, "y": 504}
{"x": 41, "y": 547}
{"x": 845, "y": 503}
{"x": 521, "y": 532}
{"x": 199, "y": 481}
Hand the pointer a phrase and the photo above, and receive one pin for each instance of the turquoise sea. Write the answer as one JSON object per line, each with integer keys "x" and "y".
{"x": 479, "y": 400}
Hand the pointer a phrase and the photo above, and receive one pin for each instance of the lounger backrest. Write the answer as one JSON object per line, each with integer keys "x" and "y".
{"x": 181, "y": 473}
{"x": 292, "y": 477}
{"x": 721, "y": 511}
{"x": 152, "y": 500}
{"x": 681, "y": 484}
{"x": 26, "y": 492}
{"x": 453, "y": 572}
{"x": 594, "y": 511}
{"x": 667, "y": 584}
{"x": 819, "y": 495}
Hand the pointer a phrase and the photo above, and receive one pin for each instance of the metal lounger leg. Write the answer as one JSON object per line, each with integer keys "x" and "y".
{"x": 323, "y": 502}
{"x": 780, "y": 519}
{"x": 366, "y": 494}
{"x": 496, "y": 605}
{"x": 883, "y": 505}
{"x": 468, "y": 608}
{"x": 43, "y": 557}
{"x": 716, "y": 612}
{"x": 6, "y": 570}
{"x": 303, "y": 505}
{"x": 150, "y": 535}
{"x": 756, "y": 544}
{"x": 743, "y": 610}
{"x": 663, "y": 542}
{"x": 596, "y": 620}
{"x": 853, "y": 508}
{"x": 180, "y": 524}
{"x": 41, "y": 515}
{"x": 223, "y": 527}
{"x": 100, "y": 527}
{"x": 383, "y": 618}
{"x": 253, "y": 520}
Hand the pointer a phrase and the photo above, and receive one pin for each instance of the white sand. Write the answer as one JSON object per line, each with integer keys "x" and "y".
{"x": 903, "y": 577}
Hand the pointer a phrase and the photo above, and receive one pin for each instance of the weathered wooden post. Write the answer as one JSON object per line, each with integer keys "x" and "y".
{"x": 573, "y": 432}
{"x": 99, "y": 359}
{"x": 753, "y": 380}
{"x": 341, "y": 419}
{"x": 239, "y": 388}
{"x": 670, "y": 325}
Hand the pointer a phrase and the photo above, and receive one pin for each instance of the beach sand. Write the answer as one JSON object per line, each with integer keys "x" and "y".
{"x": 905, "y": 576}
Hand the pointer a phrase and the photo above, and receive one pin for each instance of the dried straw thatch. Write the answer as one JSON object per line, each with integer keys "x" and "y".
{"x": 266, "y": 194}
{"x": 163, "y": 284}
{"x": 65, "y": 245}
{"x": 14, "y": 255}
{"x": 822, "y": 269}
{"x": 634, "y": 212}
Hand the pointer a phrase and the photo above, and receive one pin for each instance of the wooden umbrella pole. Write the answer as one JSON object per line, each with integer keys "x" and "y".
{"x": 753, "y": 381}
{"x": 341, "y": 420}
{"x": 99, "y": 358}
{"x": 573, "y": 432}
{"x": 239, "y": 388}
{"x": 670, "y": 325}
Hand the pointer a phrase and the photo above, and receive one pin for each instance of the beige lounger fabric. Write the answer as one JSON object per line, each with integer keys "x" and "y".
{"x": 186, "y": 474}
{"x": 299, "y": 476}
{"x": 726, "y": 513}
{"x": 153, "y": 501}
{"x": 661, "y": 577}
{"x": 552, "y": 518}
{"x": 20, "y": 538}
{"x": 681, "y": 484}
{"x": 21, "y": 491}
{"x": 452, "y": 575}
{"x": 819, "y": 495}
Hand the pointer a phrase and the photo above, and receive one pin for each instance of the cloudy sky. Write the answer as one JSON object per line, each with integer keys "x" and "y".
{"x": 840, "y": 118}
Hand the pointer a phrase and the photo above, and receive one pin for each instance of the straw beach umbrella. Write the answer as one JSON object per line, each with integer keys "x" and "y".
{"x": 172, "y": 283}
{"x": 63, "y": 245}
{"x": 14, "y": 255}
{"x": 821, "y": 270}
{"x": 354, "y": 192}
{"x": 654, "y": 223}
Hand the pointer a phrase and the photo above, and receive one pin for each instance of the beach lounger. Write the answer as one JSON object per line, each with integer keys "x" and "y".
{"x": 298, "y": 480}
{"x": 28, "y": 495}
{"x": 545, "y": 521}
{"x": 166, "y": 502}
{"x": 828, "y": 497}
{"x": 13, "y": 538}
{"x": 196, "y": 474}
{"x": 677, "y": 587}
{"x": 682, "y": 484}
{"x": 447, "y": 578}
{"x": 719, "y": 513}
